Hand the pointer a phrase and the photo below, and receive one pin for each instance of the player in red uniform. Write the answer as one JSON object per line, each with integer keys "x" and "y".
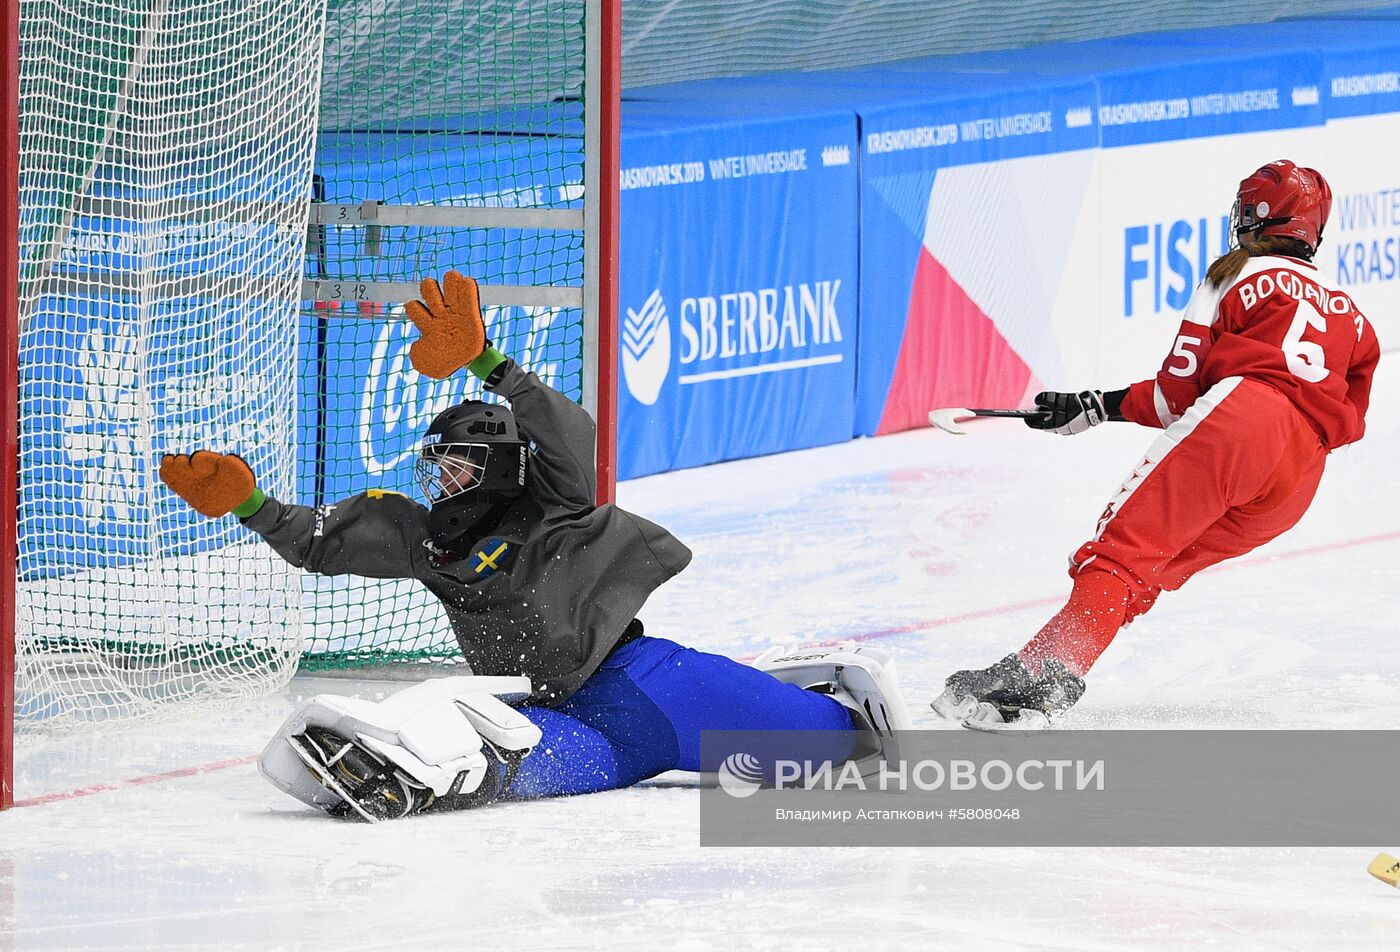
{"x": 1270, "y": 371}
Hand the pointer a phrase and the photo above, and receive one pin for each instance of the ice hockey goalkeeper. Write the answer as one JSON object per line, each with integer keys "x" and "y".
{"x": 537, "y": 582}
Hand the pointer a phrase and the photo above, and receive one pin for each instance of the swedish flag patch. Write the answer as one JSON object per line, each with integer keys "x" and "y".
{"x": 490, "y": 555}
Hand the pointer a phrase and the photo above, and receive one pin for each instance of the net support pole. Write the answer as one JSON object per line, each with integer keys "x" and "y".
{"x": 9, "y": 399}
{"x": 602, "y": 142}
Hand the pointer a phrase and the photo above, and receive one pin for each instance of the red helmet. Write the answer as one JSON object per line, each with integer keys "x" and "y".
{"x": 1284, "y": 199}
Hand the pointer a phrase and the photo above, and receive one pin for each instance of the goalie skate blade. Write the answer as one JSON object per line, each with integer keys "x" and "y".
{"x": 313, "y": 764}
{"x": 1386, "y": 868}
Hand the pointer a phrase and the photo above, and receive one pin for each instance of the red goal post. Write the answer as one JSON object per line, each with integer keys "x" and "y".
{"x": 9, "y": 400}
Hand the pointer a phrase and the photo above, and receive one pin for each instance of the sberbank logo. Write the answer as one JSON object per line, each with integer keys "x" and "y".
{"x": 733, "y": 334}
{"x": 646, "y": 349}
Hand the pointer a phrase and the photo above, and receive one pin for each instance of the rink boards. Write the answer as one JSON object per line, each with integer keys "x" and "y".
{"x": 806, "y": 258}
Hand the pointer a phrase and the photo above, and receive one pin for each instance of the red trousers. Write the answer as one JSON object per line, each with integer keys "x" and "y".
{"x": 1240, "y": 468}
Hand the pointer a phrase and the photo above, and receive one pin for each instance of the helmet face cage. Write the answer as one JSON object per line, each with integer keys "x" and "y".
{"x": 1235, "y": 227}
{"x": 1246, "y": 216}
{"x": 446, "y": 470}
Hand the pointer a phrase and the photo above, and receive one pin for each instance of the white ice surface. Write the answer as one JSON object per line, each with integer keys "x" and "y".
{"x": 948, "y": 550}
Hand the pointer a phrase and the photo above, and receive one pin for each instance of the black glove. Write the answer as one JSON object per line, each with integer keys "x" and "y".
{"x": 1068, "y": 413}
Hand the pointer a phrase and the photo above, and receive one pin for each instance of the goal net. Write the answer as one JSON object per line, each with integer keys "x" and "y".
{"x": 466, "y": 147}
{"x": 164, "y": 163}
{"x": 216, "y": 238}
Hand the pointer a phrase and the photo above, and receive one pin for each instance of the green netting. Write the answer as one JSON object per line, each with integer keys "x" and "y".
{"x": 476, "y": 105}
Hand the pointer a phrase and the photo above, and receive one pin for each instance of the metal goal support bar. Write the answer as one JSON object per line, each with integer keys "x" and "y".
{"x": 396, "y": 292}
{"x": 446, "y": 216}
{"x": 372, "y": 214}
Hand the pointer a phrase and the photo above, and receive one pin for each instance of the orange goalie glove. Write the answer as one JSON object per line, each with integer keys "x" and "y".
{"x": 449, "y": 323}
{"x": 215, "y": 484}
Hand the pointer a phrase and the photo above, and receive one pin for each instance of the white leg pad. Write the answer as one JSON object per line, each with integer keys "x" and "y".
{"x": 432, "y": 732}
{"x": 862, "y": 678}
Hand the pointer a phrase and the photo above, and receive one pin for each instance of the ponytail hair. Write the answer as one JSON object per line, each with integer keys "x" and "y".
{"x": 1227, "y": 267}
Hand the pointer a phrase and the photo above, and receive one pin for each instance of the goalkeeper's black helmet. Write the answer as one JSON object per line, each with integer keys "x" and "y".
{"x": 472, "y": 463}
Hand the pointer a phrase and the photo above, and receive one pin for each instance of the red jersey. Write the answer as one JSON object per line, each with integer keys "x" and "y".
{"x": 1281, "y": 322}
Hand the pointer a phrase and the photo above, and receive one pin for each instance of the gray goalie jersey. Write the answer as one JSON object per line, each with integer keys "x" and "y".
{"x": 553, "y": 588}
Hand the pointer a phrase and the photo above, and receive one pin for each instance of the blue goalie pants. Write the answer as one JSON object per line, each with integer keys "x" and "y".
{"x": 642, "y": 713}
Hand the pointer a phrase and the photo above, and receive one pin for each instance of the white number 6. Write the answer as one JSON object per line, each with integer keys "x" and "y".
{"x": 1305, "y": 358}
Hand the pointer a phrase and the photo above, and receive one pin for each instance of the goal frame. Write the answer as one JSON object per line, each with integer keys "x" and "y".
{"x": 602, "y": 166}
{"x": 602, "y": 96}
{"x": 9, "y": 400}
